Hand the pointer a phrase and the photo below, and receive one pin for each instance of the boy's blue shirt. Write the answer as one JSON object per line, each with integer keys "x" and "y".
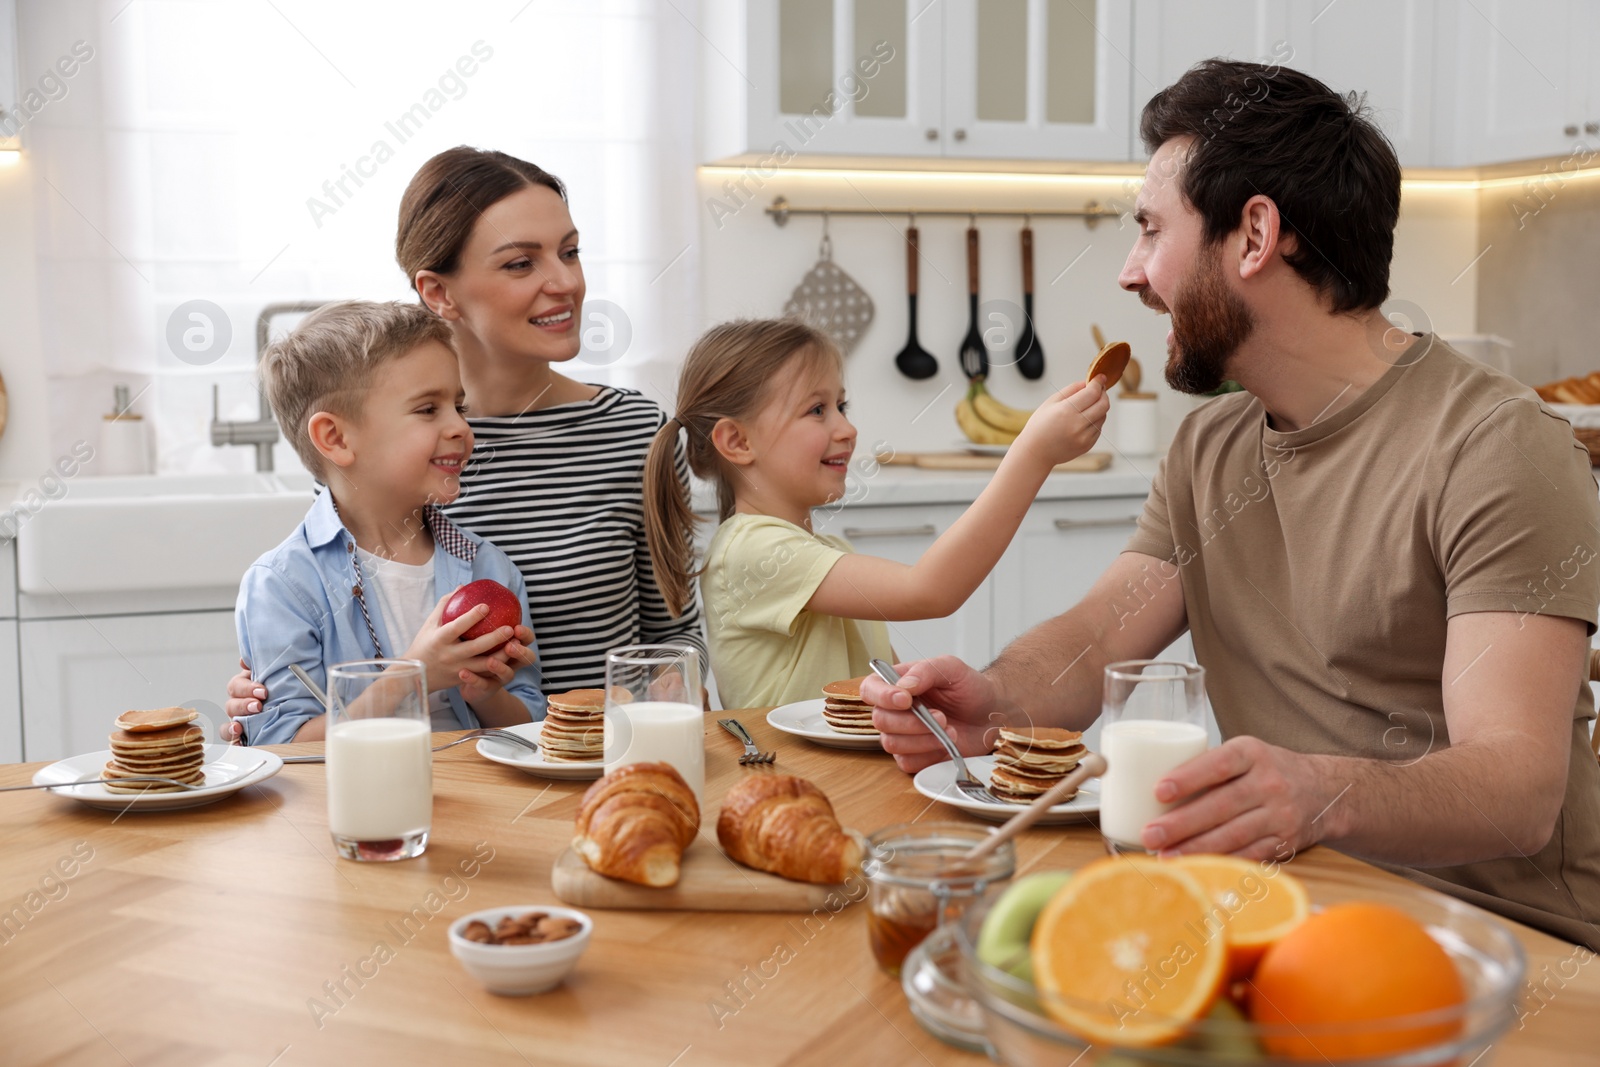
{"x": 297, "y": 605}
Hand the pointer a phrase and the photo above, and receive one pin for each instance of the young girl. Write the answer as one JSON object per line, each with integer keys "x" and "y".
{"x": 788, "y": 610}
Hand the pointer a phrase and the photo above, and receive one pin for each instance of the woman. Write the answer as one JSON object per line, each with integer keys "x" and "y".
{"x": 555, "y": 480}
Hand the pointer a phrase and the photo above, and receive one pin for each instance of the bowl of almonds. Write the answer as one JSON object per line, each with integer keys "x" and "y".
{"x": 522, "y": 949}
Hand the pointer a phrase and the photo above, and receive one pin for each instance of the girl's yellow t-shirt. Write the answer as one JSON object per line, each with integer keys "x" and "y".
{"x": 766, "y": 648}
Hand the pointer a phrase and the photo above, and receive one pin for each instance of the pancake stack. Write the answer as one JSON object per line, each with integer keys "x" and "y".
{"x": 574, "y": 727}
{"x": 1029, "y": 760}
{"x": 163, "y": 742}
{"x": 844, "y": 709}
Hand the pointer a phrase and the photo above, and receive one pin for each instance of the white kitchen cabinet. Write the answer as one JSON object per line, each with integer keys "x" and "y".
{"x": 1515, "y": 80}
{"x": 1170, "y": 36}
{"x": 8, "y": 578}
{"x": 8, "y": 62}
{"x": 78, "y": 674}
{"x": 10, "y": 696}
{"x": 999, "y": 79}
{"x": 843, "y": 76}
{"x": 1383, "y": 48}
{"x": 903, "y": 534}
{"x": 1038, "y": 79}
{"x": 1059, "y": 552}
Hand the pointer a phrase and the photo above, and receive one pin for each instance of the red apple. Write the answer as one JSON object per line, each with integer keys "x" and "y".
{"x": 504, "y": 607}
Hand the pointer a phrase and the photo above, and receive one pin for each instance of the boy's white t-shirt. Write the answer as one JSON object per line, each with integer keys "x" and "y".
{"x": 405, "y": 597}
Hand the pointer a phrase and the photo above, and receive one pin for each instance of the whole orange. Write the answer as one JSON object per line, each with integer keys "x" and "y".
{"x": 1343, "y": 979}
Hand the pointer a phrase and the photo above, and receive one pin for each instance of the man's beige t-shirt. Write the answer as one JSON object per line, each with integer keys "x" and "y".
{"x": 766, "y": 648}
{"x": 1320, "y": 569}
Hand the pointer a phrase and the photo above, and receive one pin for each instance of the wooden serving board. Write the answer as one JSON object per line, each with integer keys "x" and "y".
{"x": 967, "y": 461}
{"x": 710, "y": 881}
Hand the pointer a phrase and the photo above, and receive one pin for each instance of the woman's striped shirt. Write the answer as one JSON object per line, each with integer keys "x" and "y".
{"x": 561, "y": 491}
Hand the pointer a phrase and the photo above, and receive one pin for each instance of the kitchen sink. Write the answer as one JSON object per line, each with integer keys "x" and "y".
{"x": 186, "y": 531}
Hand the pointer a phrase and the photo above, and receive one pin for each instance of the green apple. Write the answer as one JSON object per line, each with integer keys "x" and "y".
{"x": 1227, "y": 1040}
{"x": 1007, "y": 929}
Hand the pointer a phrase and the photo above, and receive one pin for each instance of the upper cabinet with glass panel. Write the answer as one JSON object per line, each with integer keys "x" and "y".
{"x": 999, "y": 79}
{"x": 1038, "y": 79}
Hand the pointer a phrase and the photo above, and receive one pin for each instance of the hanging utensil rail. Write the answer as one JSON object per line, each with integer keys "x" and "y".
{"x": 1091, "y": 213}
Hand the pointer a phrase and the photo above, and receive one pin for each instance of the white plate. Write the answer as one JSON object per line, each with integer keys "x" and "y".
{"x": 534, "y": 762}
{"x": 804, "y": 719}
{"x": 938, "y": 782}
{"x": 981, "y": 450}
{"x": 229, "y": 768}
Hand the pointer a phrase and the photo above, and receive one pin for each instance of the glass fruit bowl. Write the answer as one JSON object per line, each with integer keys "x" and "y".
{"x": 1487, "y": 956}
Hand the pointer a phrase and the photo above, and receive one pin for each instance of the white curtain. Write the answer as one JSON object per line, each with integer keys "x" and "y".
{"x": 247, "y": 152}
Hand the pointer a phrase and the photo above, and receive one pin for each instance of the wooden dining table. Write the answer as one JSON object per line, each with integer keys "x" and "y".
{"x": 232, "y": 934}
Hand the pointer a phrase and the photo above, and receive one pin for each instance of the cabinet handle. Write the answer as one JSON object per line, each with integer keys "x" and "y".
{"x": 1591, "y": 127}
{"x": 1570, "y": 130}
{"x": 854, "y": 533}
{"x": 1086, "y": 524}
{"x": 931, "y": 134}
{"x": 960, "y": 135}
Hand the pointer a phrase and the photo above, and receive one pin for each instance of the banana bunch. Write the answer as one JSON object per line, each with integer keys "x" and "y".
{"x": 985, "y": 420}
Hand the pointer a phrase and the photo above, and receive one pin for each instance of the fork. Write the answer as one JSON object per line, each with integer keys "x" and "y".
{"x": 751, "y": 753}
{"x": 969, "y": 786}
{"x": 490, "y": 732}
{"x": 103, "y": 781}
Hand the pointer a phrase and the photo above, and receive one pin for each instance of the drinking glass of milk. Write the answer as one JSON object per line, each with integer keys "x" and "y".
{"x": 380, "y": 765}
{"x": 1153, "y": 719}
{"x": 653, "y": 711}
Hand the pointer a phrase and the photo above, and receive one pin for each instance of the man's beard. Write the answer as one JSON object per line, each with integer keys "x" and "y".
{"x": 1209, "y": 323}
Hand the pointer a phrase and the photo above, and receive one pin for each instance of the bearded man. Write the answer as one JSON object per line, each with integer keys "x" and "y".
{"x": 1382, "y": 549}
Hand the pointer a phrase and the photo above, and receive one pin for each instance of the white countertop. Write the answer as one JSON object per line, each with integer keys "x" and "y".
{"x": 891, "y": 486}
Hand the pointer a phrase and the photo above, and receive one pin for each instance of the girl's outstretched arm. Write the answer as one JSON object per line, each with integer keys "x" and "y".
{"x": 868, "y": 587}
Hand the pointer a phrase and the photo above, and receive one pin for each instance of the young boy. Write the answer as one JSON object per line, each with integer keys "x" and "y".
{"x": 370, "y": 397}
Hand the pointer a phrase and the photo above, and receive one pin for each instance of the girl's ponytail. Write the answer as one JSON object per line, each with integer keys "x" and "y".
{"x": 669, "y": 521}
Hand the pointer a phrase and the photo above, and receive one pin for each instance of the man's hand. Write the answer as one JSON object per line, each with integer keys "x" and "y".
{"x": 1244, "y": 797}
{"x": 964, "y": 702}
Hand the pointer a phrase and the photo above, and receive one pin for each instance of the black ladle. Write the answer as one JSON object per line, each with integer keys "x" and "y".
{"x": 974, "y": 357}
{"x": 913, "y": 361}
{"x": 1030, "y": 353}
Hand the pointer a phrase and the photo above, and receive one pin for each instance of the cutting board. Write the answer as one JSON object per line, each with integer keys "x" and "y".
{"x": 709, "y": 881}
{"x": 967, "y": 461}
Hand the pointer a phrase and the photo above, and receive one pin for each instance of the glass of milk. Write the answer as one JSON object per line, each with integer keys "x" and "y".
{"x": 1153, "y": 719}
{"x": 380, "y": 763}
{"x": 654, "y": 711}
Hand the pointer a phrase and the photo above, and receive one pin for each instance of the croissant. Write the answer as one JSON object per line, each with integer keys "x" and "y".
{"x": 785, "y": 825}
{"x": 635, "y": 823}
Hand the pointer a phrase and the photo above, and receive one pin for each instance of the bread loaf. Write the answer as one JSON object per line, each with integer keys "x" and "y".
{"x": 784, "y": 824}
{"x": 634, "y": 824}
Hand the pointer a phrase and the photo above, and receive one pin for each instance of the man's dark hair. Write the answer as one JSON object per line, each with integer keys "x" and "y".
{"x": 1283, "y": 134}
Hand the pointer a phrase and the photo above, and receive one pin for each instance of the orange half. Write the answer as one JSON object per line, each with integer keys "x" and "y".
{"x": 1120, "y": 954}
{"x": 1251, "y": 908}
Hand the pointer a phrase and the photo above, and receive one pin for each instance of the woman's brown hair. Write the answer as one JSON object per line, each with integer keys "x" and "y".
{"x": 729, "y": 374}
{"x": 445, "y": 198}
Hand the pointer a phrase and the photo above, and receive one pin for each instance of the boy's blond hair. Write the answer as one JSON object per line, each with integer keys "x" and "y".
{"x": 327, "y": 363}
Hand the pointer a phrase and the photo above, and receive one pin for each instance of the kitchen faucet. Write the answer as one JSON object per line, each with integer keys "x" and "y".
{"x": 262, "y": 433}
